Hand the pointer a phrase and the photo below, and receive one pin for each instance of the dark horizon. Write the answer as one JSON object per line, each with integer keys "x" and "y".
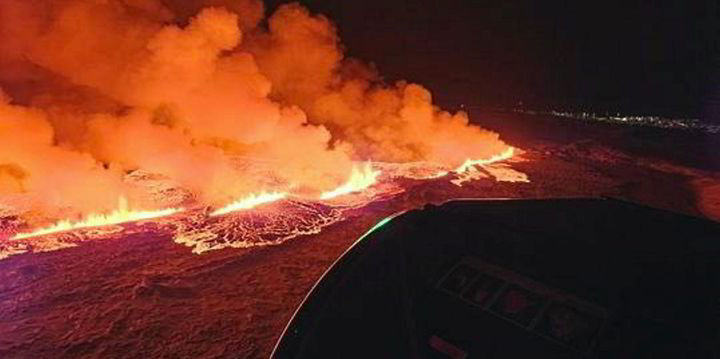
{"x": 633, "y": 58}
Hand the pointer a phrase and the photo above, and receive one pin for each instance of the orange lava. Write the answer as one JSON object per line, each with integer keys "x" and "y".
{"x": 505, "y": 155}
{"x": 123, "y": 214}
{"x": 360, "y": 179}
{"x": 249, "y": 202}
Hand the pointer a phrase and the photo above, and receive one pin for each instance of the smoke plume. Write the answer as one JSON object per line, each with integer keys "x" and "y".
{"x": 92, "y": 90}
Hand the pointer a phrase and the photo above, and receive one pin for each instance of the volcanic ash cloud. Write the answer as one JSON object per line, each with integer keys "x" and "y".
{"x": 97, "y": 89}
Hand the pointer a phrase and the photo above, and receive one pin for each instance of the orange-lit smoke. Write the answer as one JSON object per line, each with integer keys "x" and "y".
{"x": 302, "y": 56}
{"x": 96, "y": 89}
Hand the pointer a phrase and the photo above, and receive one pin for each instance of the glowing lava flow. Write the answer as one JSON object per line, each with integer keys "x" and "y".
{"x": 497, "y": 158}
{"x": 469, "y": 163}
{"x": 249, "y": 202}
{"x": 122, "y": 214}
{"x": 360, "y": 179}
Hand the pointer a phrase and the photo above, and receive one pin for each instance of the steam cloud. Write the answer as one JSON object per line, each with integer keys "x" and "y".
{"x": 94, "y": 89}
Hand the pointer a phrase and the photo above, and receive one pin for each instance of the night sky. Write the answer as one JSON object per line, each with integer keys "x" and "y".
{"x": 648, "y": 57}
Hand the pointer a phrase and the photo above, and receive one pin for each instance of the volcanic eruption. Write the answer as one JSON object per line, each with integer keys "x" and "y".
{"x": 200, "y": 109}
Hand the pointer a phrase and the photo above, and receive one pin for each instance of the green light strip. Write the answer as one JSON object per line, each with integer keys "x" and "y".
{"x": 383, "y": 222}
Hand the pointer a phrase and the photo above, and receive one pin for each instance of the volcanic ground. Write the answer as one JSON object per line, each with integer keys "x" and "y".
{"x": 192, "y": 285}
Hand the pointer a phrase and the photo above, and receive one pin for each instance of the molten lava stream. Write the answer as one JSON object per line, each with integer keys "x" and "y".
{"x": 251, "y": 201}
{"x": 360, "y": 179}
{"x": 505, "y": 155}
{"x": 123, "y": 214}
{"x": 470, "y": 163}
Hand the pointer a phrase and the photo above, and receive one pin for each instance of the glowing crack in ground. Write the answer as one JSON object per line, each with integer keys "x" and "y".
{"x": 258, "y": 220}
